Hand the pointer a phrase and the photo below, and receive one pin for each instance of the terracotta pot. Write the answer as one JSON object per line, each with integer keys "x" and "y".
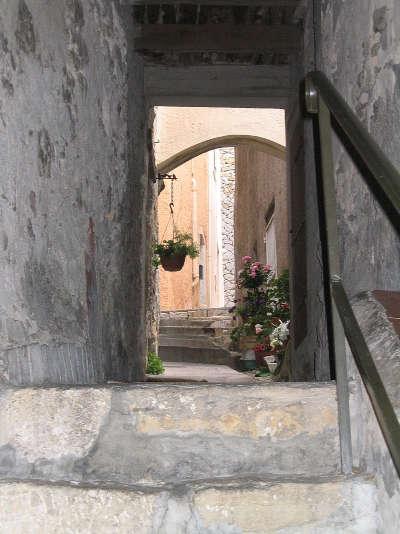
{"x": 173, "y": 262}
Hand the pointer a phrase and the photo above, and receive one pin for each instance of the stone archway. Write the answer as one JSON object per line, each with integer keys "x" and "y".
{"x": 260, "y": 143}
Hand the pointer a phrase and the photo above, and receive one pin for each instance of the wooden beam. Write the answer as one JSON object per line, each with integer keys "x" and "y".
{"x": 223, "y": 85}
{"x": 250, "y": 3}
{"x": 217, "y": 37}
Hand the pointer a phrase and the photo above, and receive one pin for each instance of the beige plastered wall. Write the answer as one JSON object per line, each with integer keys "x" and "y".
{"x": 180, "y": 128}
{"x": 260, "y": 182}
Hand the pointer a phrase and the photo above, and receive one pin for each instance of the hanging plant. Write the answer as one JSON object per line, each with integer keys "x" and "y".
{"x": 171, "y": 253}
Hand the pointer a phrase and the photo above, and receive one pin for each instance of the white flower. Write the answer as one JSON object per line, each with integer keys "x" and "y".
{"x": 280, "y": 334}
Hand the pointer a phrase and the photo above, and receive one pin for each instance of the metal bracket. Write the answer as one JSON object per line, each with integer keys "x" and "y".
{"x": 311, "y": 96}
{"x": 164, "y": 176}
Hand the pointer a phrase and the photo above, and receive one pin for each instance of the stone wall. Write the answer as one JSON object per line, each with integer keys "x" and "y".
{"x": 227, "y": 174}
{"x": 72, "y": 244}
{"x": 359, "y": 50}
{"x": 370, "y": 452}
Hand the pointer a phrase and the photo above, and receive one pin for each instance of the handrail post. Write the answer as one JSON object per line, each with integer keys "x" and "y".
{"x": 316, "y": 105}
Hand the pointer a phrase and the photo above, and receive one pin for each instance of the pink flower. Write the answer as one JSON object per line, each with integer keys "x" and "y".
{"x": 267, "y": 268}
{"x": 253, "y": 274}
{"x": 246, "y": 259}
{"x": 255, "y": 266}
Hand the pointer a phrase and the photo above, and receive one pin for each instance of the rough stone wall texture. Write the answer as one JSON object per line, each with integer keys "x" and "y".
{"x": 260, "y": 181}
{"x": 227, "y": 173}
{"x": 370, "y": 452}
{"x": 360, "y": 53}
{"x": 71, "y": 185}
{"x": 359, "y": 50}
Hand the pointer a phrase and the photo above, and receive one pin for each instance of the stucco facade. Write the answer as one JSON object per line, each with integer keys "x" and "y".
{"x": 261, "y": 193}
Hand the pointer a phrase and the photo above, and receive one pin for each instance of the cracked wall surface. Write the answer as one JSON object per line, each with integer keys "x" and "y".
{"x": 360, "y": 53}
{"x": 71, "y": 185}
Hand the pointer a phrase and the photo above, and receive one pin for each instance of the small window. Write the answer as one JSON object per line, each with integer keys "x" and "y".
{"x": 270, "y": 244}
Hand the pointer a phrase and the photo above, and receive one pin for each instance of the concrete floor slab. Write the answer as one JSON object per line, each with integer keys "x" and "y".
{"x": 200, "y": 372}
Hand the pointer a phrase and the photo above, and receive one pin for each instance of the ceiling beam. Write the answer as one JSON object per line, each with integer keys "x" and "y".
{"x": 250, "y": 3}
{"x": 217, "y": 37}
{"x": 224, "y": 85}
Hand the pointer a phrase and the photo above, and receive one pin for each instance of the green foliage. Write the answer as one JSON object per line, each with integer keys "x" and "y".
{"x": 181, "y": 244}
{"x": 155, "y": 365}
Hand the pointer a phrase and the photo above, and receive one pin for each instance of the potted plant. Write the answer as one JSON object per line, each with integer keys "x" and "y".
{"x": 262, "y": 313}
{"x": 171, "y": 253}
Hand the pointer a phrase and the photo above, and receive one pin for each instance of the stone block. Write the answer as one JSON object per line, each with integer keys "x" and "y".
{"x": 223, "y": 507}
{"x": 156, "y": 433}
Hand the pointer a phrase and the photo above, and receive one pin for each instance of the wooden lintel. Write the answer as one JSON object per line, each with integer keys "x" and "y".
{"x": 217, "y": 37}
{"x": 226, "y": 85}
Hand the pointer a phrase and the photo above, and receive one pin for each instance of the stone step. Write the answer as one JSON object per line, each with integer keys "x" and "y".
{"x": 199, "y": 312}
{"x": 210, "y": 355}
{"x": 253, "y": 506}
{"x": 186, "y": 331}
{"x": 159, "y": 433}
{"x": 215, "y": 322}
{"x": 198, "y": 341}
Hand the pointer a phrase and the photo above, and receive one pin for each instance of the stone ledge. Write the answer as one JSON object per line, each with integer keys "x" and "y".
{"x": 156, "y": 433}
{"x": 253, "y": 508}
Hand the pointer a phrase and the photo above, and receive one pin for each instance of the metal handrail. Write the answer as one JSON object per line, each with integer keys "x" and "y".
{"x": 384, "y": 182}
{"x": 385, "y": 178}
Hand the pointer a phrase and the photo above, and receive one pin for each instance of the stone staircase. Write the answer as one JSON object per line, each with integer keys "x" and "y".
{"x": 177, "y": 459}
{"x": 197, "y": 336}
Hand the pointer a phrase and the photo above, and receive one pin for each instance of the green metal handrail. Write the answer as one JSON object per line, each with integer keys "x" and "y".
{"x": 384, "y": 182}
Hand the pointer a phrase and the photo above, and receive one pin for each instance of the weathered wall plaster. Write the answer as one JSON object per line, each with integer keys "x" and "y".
{"x": 73, "y": 184}
{"x": 179, "y": 128}
{"x": 261, "y": 183}
{"x": 359, "y": 51}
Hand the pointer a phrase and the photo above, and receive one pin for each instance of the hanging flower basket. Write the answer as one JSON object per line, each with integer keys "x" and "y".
{"x": 171, "y": 253}
{"x": 173, "y": 262}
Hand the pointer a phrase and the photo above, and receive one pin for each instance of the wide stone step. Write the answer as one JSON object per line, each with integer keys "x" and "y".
{"x": 157, "y": 433}
{"x": 217, "y": 356}
{"x": 254, "y": 506}
{"x": 198, "y": 341}
{"x": 186, "y": 331}
{"x": 199, "y": 312}
{"x": 213, "y": 322}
